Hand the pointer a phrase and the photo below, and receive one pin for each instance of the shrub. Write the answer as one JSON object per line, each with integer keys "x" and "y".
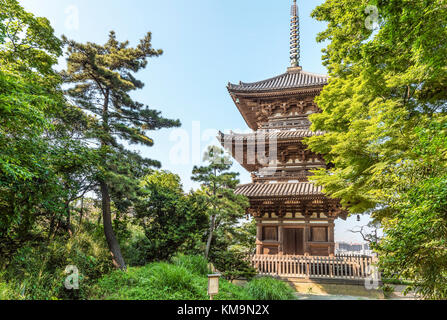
{"x": 175, "y": 280}
{"x": 233, "y": 265}
{"x": 156, "y": 281}
{"x": 170, "y": 220}
{"x": 135, "y": 249}
{"x": 163, "y": 281}
{"x": 267, "y": 288}
{"x": 229, "y": 291}
{"x": 6, "y": 292}
{"x": 37, "y": 271}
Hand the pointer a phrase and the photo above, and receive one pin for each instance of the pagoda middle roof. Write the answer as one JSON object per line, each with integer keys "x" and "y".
{"x": 292, "y": 79}
{"x": 280, "y": 135}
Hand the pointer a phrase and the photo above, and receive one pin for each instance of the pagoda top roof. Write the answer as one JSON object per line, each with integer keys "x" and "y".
{"x": 261, "y": 190}
{"x": 294, "y": 78}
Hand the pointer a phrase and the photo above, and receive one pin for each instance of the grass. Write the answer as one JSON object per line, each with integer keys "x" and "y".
{"x": 7, "y": 293}
{"x": 195, "y": 264}
{"x": 269, "y": 289}
{"x": 183, "y": 279}
{"x": 161, "y": 281}
{"x": 156, "y": 281}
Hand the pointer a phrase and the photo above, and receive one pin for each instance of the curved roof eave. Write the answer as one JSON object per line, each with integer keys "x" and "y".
{"x": 285, "y": 81}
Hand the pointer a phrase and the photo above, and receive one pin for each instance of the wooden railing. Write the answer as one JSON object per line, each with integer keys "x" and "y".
{"x": 308, "y": 267}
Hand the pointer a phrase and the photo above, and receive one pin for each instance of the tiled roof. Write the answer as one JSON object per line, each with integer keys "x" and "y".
{"x": 288, "y": 80}
{"x": 279, "y": 189}
{"x": 282, "y": 135}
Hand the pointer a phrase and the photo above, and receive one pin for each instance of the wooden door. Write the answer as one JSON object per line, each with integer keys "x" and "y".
{"x": 293, "y": 241}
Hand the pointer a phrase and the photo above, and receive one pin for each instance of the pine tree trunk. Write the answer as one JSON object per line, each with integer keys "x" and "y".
{"x": 112, "y": 242}
{"x": 212, "y": 223}
{"x": 210, "y": 236}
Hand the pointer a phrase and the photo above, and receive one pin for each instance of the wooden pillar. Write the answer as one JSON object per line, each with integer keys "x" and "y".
{"x": 331, "y": 238}
{"x": 306, "y": 238}
{"x": 281, "y": 239}
{"x": 259, "y": 238}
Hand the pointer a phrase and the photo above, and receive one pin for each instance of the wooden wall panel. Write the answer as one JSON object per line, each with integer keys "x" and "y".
{"x": 319, "y": 234}
{"x": 270, "y": 233}
{"x": 320, "y": 251}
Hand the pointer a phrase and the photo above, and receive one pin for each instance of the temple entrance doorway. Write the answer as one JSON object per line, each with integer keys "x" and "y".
{"x": 294, "y": 241}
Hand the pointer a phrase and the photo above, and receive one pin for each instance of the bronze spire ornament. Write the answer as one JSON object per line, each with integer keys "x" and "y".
{"x": 294, "y": 36}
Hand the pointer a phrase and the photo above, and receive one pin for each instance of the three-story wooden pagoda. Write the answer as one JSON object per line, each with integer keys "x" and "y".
{"x": 293, "y": 216}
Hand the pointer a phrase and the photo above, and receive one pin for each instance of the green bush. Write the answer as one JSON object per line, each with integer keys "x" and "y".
{"x": 233, "y": 264}
{"x": 31, "y": 274}
{"x": 6, "y": 292}
{"x": 162, "y": 281}
{"x": 195, "y": 264}
{"x": 156, "y": 281}
{"x": 268, "y": 288}
{"x": 182, "y": 280}
{"x": 229, "y": 291}
{"x": 175, "y": 281}
{"x": 176, "y": 220}
{"x": 37, "y": 271}
{"x": 135, "y": 249}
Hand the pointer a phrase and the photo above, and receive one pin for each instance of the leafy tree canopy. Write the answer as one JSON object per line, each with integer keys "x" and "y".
{"x": 171, "y": 220}
{"x": 384, "y": 83}
{"x": 29, "y": 98}
{"x": 28, "y": 42}
{"x": 384, "y": 112}
{"x": 415, "y": 243}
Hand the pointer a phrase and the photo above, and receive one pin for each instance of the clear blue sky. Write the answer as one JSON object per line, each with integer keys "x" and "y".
{"x": 206, "y": 43}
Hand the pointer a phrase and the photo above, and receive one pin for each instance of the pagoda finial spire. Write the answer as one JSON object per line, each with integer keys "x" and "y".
{"x": 294, "y": 36}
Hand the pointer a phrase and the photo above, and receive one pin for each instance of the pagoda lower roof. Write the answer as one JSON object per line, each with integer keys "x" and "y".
{"x": 294, "y": 190}
{"x": 294, "y": 78}
{"x": 270, "y": 135}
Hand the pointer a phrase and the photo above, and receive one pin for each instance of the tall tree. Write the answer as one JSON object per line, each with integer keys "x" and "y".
{"x": 102, "y": 78}
{"x": 218, "y": 185}
{"x": 74, "y": 161}
{"x": 386, "y": 86}
{"x": 30, "y": 97}
{"x": 384, "y": 83}
{"x": 415, "y": 242}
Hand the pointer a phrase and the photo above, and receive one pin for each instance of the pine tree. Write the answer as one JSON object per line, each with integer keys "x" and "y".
{"x": 218, "y": 185}
{"x": 101, "y": 79}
